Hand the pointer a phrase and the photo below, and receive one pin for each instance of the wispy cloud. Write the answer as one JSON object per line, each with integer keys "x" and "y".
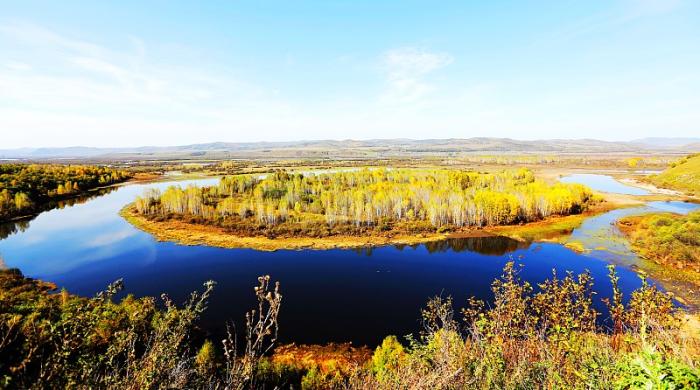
{"x": 110, "y": 238}
{"x": 406, "y": 71}
{"x": 52, "y": 82}
{"x": 17, "y": 66}
{"x": 104, "y": 87}
{"x": 633, "y": 9}
{"x": 619, "y": 14}
{"x": 31, "y": 33}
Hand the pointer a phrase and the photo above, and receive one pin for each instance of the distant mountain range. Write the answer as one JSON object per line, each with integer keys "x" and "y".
{"x": 359, "y": 148}
{"x": 660, "y": 142}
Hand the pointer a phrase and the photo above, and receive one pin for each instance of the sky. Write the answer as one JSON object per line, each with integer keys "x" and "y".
{"x": 133, "y": 73}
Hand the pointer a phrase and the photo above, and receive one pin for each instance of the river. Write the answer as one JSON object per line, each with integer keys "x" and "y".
{"x": 357, "y": 295}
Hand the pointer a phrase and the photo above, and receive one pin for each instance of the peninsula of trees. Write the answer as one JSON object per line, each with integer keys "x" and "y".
{"x": 24, "y": 189}
{"x": 364, "y": 202}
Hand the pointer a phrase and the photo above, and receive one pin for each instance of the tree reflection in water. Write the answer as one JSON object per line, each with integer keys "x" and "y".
{"x": 489, "y": 245}
{"x": 9, "y": 228}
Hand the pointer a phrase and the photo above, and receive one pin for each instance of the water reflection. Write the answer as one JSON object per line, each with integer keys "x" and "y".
{"x": 485, "y": 245}
{"x": 491, "y": 245}
{"x": 9, "y": 228}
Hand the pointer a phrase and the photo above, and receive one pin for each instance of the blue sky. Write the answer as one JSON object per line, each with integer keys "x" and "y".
{"x": 128, "y": 73}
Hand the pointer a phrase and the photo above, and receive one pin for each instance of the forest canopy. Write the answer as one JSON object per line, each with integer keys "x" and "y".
{"x": 371, "y": 198}
{"x": 23, "y": 187}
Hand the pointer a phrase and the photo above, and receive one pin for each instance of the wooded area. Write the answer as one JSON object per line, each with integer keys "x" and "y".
{"x": 373, "y": 198}
{"x": 23, "y": 188}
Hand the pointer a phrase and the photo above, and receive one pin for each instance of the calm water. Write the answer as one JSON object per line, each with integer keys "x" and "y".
{"x": 603, "y": 183}
{"x": 602, "y": 239}
{"x": 335, "y": 295}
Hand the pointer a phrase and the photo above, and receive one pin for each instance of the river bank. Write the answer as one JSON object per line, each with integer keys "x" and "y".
{"x": 552, "y": 229}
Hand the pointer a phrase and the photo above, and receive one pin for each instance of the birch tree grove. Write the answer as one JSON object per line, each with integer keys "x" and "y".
{"x": 372, "y": 197}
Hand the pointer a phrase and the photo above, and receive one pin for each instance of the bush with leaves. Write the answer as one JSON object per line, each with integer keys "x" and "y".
{"x": 521, "y": 339}
{"x": 61, "y": 340}
{"x": 547, "y": 339}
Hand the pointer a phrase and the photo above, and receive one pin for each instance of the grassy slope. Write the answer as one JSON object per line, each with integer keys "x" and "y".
{"x": 684, "y": 176}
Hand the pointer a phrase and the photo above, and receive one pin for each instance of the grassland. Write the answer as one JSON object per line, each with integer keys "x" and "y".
{"x": 683, "y": 175}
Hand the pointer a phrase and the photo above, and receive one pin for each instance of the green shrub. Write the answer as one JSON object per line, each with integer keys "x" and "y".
{"x": 649, "y": 369}
{"x": 387, "y": 358}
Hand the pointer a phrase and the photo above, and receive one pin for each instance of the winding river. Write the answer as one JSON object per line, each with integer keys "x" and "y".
{"x": 357, "y": 295}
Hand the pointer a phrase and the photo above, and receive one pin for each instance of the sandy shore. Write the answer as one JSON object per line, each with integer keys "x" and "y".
{"x": 649, "y": 187}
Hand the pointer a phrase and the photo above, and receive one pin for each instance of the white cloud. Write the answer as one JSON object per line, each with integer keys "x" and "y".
{"x": 406, "y": 70}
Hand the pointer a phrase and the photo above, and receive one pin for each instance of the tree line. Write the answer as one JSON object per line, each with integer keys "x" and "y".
{"x": 440, "y": 197}
{"x": 24, "y": 187}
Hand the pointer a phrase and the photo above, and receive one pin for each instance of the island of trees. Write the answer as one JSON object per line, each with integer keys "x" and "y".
{"x": 362, "y": 201}
{"x": 25, "y": 189}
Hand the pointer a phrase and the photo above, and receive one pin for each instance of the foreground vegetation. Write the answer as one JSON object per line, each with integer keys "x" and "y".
{"x": 64, "y": 341}
{"x": 683, "y": 175}
{"x": 549, "y": 339}
{"x": 25, "y": 189}
{"x": 365, "y": 201}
